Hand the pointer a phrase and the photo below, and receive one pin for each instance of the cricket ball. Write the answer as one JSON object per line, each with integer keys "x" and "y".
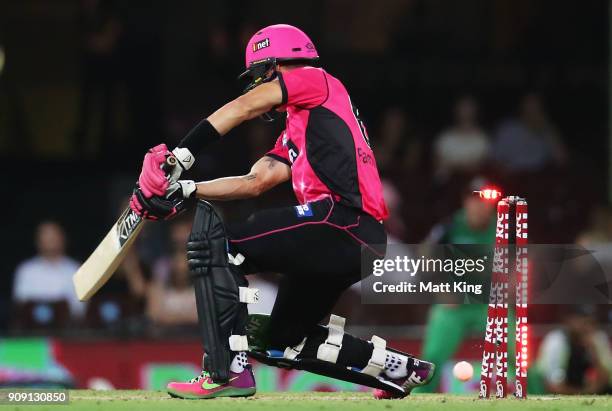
{"x": 463, "y": 371}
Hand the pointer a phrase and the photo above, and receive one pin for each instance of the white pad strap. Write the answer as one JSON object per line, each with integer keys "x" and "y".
{"x": 379, "y": 354}
{"x": 248, "y": 295}
{"x": 238, "y": 343}
{"x": 235, "y": 260}
{"x": 329, "y": 350}
{"x": 291, "y": 352}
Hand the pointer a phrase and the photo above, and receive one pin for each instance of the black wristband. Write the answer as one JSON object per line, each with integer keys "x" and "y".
{"x": 199, "y": 136}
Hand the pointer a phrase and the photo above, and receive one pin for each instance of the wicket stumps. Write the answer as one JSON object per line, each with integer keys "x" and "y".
{"x": 510, "y": 251}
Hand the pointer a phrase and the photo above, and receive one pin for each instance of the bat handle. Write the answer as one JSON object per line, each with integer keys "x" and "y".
{"x": 168, "y": 167}
{"x": 169, "y": 164}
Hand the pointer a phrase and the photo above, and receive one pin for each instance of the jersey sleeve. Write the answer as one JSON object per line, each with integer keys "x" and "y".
{"x": 304, "y": 87}
{"x": 279, "y": 151}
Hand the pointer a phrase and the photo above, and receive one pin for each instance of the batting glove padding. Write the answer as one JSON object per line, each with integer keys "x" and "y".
{"x": 156, "y": 207}
{"x": 153, "y": 180}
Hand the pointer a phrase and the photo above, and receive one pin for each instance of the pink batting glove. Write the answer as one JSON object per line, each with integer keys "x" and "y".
{"x": 135, "y": 205}
{"x": 139, "y": 209}
{"x": 153, "y": 180}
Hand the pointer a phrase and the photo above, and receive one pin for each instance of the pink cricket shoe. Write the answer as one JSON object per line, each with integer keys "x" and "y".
{"x": 384, "y": 395}
{"x": 203, "y": 387}
{"x": 420, "y": 373}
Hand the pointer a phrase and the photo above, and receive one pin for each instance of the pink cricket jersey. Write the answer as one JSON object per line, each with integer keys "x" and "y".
{"x": 325, "y": 143}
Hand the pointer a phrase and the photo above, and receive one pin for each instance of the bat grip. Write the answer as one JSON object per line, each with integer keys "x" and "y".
{"x": 168, "y": 167}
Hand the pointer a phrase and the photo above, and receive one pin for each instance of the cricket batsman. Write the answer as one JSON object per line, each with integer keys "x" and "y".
{"x": 315, "y": 245}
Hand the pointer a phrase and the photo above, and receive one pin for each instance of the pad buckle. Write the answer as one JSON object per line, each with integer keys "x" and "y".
{"x": 238, "y": 259}
{"x": 248, "y": 295}
{"x": 330, "y": 349}
{"x": 238, "y": 343}
{"x": 292, "y": 352}
{"x": 379, "y": 354}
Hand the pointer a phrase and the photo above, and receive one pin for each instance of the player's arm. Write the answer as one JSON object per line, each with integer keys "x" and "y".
{"x": 256, "y": 102}
{"x": 250, "y": 105}
{"x": 153, "y": 180}
{"x": 266, "y": 173}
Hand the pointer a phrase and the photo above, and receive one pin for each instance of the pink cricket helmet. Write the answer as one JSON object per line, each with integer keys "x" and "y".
{"x": 281, "y": 42}
{"x": 271, "y": 45}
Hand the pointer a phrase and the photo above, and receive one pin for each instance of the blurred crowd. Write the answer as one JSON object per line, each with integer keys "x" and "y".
{"x": 527, "y": 141}
{"x": 153, "y": 296}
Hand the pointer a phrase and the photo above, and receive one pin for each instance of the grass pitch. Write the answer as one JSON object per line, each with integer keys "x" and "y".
{"x": 85, "y": 400}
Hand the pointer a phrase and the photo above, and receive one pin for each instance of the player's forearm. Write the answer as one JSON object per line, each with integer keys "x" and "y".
{"x": 229, "y": 188}
{"x": 215, "y": 126}
{"x": 266, "y": 173}
{"x": 246, "y": 107}
{"x": 233, "y": 114}
{"x": 252, "y": 104}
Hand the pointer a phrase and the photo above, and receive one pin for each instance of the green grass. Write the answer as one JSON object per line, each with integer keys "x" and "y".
{"x": 156, "y": 400}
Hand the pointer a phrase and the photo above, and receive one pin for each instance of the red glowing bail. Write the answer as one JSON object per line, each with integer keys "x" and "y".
{"x": 488, "y": 193}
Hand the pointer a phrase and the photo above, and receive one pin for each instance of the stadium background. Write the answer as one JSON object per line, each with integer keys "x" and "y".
{"x": 405, "y": 63}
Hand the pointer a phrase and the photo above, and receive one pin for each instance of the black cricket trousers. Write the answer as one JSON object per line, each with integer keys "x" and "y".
{"x": 317, "y": 248}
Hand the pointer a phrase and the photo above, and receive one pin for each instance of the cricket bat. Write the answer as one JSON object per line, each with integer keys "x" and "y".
{"x": 109, "y": 254}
